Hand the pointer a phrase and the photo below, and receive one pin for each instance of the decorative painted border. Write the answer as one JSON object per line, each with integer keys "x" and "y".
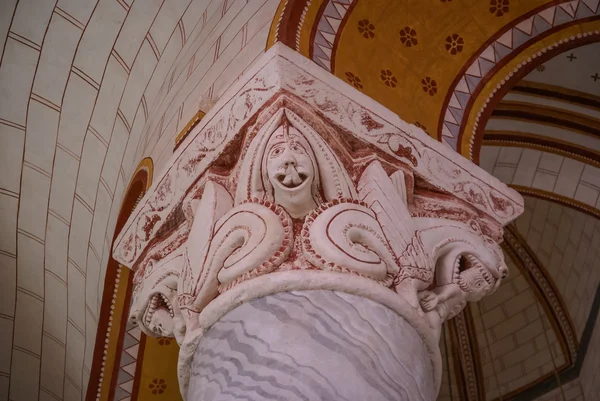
{"x": 281, "y": 70}
{"x": 326, "y": 31}
{"x": 464, "y": 342}
{"x": 476, "y": 74}
{"x": 558, "y": 93}
{"x": 112, "y": 352}
{"x": 321, "y": 42}
{"x": 287, "y": 24}
{"x": 131, "y": 349}
{"x": 513, "y": 71}
{"x": 547, "y": 115}
{"x": 107, "y": 388}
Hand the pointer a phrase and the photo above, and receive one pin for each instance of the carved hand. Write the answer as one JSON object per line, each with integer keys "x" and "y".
{"x": 428, "y": 300}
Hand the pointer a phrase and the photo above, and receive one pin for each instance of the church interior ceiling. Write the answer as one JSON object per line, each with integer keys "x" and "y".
{"x": 513, "y": 85}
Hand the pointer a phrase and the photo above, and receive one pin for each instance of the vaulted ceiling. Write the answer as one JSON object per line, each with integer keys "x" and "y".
{"x": 89, "y": 88}
{"x": 513, "y": 86}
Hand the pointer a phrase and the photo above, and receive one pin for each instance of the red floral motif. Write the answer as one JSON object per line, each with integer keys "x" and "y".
{"x": 369, "y": 123}
{"x": 540, "y": 68}
{"x": 500, "y": 204}
{"x": 388, "y": 78}
{"x": 163, "y": 192}
{"x": 190, "y": 166}
{"x": 408, "y": 37}
{"x": 474, "y": 196}
{"x": 499, "y": 7}
{"x": 164, "y": 341}
{"x": 149, "y": 225}
{"x": 366, "y": 29}
{"x": 406, "y": 152}
{"x": 354, "y": 80}
{"x": 454, "y": 44}
{"x": 429, "y": 86}
{"x": 157, "y": 386}
{"x": 128, "y": 243}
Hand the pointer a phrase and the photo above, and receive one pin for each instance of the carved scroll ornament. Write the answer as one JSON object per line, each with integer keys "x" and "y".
{"x": 290, "y": 204}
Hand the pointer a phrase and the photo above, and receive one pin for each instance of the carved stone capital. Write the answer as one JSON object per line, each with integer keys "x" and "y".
{"x": 296, "y": 181}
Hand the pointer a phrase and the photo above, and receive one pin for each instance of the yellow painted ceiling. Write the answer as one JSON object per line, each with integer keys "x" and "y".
{"x": 405, "y": 54}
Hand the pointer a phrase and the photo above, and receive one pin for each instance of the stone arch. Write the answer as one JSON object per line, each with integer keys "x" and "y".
{"x": 479, "y": 104}
{"x": 116, "y": 295}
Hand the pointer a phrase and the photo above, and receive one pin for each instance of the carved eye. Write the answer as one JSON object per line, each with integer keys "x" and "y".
{"x": 276, "y": 151}
{"x": 296, "y": 148}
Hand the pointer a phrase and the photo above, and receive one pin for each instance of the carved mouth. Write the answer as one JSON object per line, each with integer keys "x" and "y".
{"x": 157, "y": 302}
{"x": 466, "y": 261}
{"x": 291, "y": 180}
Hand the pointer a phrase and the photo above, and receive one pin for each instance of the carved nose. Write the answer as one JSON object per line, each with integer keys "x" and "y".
{"x": 504, "y": 272}
{"x": 290, "y": 162}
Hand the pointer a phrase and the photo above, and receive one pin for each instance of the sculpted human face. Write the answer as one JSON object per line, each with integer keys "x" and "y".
{"x": 291, "y": 173}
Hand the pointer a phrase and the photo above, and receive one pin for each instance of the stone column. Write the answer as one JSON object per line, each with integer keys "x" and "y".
{"x": 305, "y": 243}
{"x": 312, "y": 345}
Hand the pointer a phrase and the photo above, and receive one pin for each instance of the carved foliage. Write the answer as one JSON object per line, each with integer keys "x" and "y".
{"x": 296, "y": 207}
{"x": 344, "y": 235}
{"x": 282, "y": 72}
{"x": 249, "y": 239}
{"x": 387, "y": 197}
{"x": 252, "y": 239}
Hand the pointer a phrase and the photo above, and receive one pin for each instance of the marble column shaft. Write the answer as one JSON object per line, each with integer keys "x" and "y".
{"x": 311, "y": 346}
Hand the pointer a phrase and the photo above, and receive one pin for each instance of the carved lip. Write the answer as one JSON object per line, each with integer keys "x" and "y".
{"x": 291, "y": 180}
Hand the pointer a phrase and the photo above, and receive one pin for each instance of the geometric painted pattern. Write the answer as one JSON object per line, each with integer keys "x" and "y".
{"x": 128, "y": 363}
{"x": 327, "y": 30}
{"x": 474, "y": 76}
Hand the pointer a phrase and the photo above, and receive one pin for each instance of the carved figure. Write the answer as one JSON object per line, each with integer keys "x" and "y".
{"x": 154, "y": 306}
{"x": 290, "y": 170}
{"x": 289, "y": 163}
{"x": 468, "y": 267}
